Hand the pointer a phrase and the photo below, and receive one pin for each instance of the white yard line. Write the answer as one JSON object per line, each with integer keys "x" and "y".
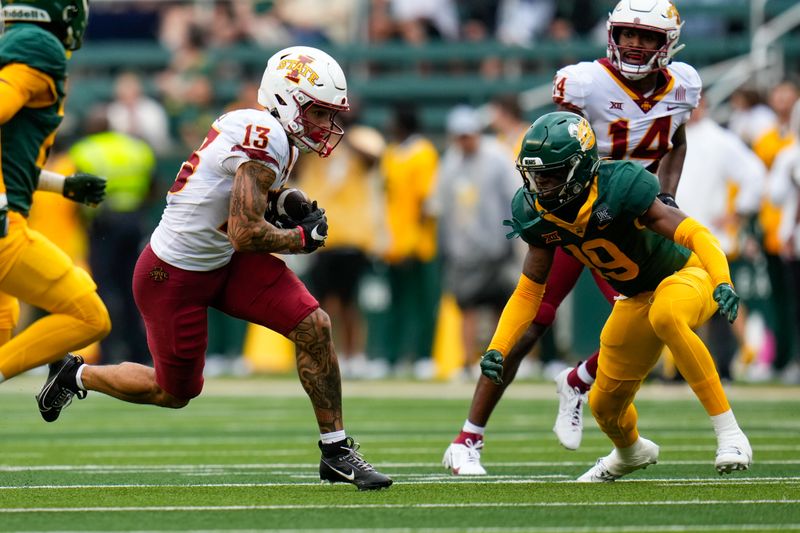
{"x": 465, "y": 505}
{"x": 526, "y": 529}
{"x": 411, "y": 480}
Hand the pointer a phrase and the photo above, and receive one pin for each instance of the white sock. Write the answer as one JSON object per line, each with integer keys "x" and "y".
{"x": 725, "y": 425}
{"x": 630, "y": 451}
{"x": 469, "y": 427}
{"x": 333, "y": 436}
{"x": 583, "y": 374}
{"x": 78, "y": 379}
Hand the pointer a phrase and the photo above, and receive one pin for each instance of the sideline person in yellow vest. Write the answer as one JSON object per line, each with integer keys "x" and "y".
{"x": 117, "y": 233}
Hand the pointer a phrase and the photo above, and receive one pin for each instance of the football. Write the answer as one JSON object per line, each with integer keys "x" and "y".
{"x": 286, "y": 207}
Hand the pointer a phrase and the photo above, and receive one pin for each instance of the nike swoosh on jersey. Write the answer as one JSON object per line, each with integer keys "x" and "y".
{"x": 350, "y": 477}
{"x": 671, "y": 107}
{"x": 316, "y": 236}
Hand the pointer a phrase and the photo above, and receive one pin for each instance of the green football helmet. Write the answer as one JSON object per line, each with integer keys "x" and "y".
{"x": 66, "y": 19}
{"x": 558, "y": 158}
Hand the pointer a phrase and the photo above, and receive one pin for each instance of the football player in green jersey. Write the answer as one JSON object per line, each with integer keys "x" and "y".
{"x": 668, "y": 268}
{"x": 38, "y": 36}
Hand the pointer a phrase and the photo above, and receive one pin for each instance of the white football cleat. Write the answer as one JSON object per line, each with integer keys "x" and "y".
{"x": 613, "y": 466}
{"x": 733, "y": 454}
{"x": 464, "y": 459}
{"x": 569, "y": 422}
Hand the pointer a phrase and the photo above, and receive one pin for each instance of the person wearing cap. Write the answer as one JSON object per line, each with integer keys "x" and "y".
{"x": 476, "y": 183}
{"x": 346, "y": 184}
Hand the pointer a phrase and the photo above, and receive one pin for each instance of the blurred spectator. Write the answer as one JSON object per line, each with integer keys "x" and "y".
{"x": 195, "y": 111}
{"x": 380, "y": 25}
{"x": 189, "y": 62}
{"x": 134, "y": 113}
{"x": 408, "y": 166}
{"x": 310, "y": 24}
{"x": 346, "y": 185}
{"x": 784, "y": 190}
{"x": 508, "y": 123}
{"x": 750, "y": 116}
{"x": 476, "y": 183}
{"x": 773, "y": 139}
{"x": 522, "y": 22}
{"x": 420, "y": 21}
{"x": 782, "y": 99}
{"x": 117, "y": 233}
{"x": 721, "y": 186}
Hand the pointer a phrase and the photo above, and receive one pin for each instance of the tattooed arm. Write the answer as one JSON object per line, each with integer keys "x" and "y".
{"x": 248, "y": 231}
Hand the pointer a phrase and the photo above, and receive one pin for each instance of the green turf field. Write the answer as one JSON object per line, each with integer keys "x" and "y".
{"x": 243, "y": 457}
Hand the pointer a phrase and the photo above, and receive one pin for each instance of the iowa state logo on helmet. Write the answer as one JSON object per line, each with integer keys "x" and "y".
{"x": 299, "y": 67}
{"x": 583, "y": 132}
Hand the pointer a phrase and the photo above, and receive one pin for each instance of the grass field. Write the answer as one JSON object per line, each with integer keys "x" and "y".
{"x": 243, "y": 457}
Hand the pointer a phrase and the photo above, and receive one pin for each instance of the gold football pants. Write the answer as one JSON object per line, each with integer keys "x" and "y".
{"x": 36, "y": 271}
{"x": 633, "y": 338}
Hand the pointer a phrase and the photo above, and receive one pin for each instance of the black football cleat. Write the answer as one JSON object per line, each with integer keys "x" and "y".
{"x": 60, "y": 387}
{"x": 349, "y": 467}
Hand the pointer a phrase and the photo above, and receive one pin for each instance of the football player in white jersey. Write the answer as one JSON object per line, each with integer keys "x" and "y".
{"x": 213, "y": 248}
{"x": 638, "y": 101}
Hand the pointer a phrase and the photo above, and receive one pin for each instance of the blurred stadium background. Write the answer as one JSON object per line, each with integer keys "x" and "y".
{"x": 163, "y": 70}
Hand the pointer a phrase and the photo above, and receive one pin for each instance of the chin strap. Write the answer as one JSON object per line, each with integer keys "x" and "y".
{"x": 518, "y": 227}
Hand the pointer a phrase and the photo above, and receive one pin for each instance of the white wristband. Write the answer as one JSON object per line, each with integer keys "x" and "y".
{"x": 51, "y": 181}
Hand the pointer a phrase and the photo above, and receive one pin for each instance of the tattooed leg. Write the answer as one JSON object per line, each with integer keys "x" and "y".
{"x": 318, "y": 369}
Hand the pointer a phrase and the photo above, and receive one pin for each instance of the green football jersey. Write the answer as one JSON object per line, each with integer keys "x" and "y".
{"x": 606, "y": 235}
{"x": 25, "y": 140}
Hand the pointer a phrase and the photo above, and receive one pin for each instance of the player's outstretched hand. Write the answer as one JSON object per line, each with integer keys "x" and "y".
{"x": 85, "y": 188}
{"x": 492, "y": 366}
{"x": 727, "y": 300}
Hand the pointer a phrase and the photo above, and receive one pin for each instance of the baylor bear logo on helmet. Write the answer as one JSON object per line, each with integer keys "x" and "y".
{"x": 66, "y": 19}
{"x": 584, "y": 133}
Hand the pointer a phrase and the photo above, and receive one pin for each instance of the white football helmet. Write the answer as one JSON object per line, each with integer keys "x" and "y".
{"x": 658, "y": 16}
{"x": 299, "y": 80}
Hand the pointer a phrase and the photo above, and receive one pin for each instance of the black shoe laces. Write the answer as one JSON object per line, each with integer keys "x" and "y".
{"x": 63, "y": 398}
{"x": 354, "y": 458}
{"x": 576, "y": 414}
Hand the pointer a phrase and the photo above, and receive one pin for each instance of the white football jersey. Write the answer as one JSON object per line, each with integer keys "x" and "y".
{"x": 192, "y": 232}
{"x": 629, "y": 124}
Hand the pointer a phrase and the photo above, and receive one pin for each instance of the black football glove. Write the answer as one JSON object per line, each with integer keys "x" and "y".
{"x": 492, "y": 366}
{"x": 315, "y": 229}
{"x": 85, "y": 188}
{"x": 668, "y": 199}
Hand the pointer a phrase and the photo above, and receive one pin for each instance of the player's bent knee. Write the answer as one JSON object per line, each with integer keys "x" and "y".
{"x": 173, "y": 403}
{"x": 95, "y": 315}
{"x": 665, "y": 324}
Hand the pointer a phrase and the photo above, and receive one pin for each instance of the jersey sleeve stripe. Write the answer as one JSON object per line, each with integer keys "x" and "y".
{"x": 258, "y": 155}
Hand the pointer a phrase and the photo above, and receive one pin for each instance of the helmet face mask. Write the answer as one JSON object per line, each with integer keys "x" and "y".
{"x": 66, "y": 19}
{"x": 658, "y": 17}
{"x": 305, "y": 88}
{"x": 557, "y": 159}
{"x": 319, "y": 131}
